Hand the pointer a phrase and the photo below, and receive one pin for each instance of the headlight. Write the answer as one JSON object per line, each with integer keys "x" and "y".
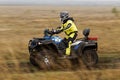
{"x": 39, "y": 43}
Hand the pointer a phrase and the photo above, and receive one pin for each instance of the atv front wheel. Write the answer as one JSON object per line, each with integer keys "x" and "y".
{"x": 46, "y": 62}
{"x": 32, "y": 61}
{"x": 43, "y": 62}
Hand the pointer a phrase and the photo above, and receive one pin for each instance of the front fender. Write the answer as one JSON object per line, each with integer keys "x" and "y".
{"x": 38, "y": 45}
{"x": 46, "y": 42}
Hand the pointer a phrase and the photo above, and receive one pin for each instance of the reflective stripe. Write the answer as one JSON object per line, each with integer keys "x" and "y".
{"x": 68, "y": 49}
{"x": 72, "y": 32}
{"x": 68, "y": 26}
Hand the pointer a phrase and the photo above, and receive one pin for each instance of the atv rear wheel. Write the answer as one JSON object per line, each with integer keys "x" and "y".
{"x": 90, "y": 57}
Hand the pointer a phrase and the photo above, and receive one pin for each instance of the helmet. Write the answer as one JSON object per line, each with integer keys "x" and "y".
{"x": 86, "y": 32}
{"x": 64, "y": 15}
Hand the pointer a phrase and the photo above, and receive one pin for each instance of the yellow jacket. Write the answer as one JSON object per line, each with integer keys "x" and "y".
{"x": 69, "y": 27}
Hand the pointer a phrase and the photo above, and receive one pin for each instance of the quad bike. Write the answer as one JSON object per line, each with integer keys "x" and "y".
{"x": 44, "y": 52}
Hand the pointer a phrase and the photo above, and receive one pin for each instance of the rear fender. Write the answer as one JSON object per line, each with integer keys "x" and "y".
{"x": 90, "y": 46}
{"x": 78, "y": 48}
{"x": 82, "y": 46}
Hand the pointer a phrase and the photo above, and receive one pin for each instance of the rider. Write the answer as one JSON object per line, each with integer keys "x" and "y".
{"x": 69, "y": 28}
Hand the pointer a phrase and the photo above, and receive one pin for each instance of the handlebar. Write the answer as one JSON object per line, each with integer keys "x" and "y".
{"x": 47, "y": 32}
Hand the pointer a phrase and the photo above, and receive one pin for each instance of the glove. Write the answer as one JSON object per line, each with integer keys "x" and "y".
{"x": 47, "y": 31}
{"x": 58, "y": 28}
{"x": 51, "y": 32}
{"x": 54, "y": 31}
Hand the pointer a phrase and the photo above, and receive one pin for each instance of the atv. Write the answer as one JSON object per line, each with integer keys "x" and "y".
{"x": 44, "y": 52}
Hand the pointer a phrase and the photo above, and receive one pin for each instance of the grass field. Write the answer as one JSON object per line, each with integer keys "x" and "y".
{"x": 19, "y": 24}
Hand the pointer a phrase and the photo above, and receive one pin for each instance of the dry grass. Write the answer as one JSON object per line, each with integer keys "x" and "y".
{"x": 18, "y": 24}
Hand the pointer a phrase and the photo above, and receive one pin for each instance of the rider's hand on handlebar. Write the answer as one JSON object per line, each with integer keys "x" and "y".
{"x": 48, "y": 31}
{"x": 53, "y": 31}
